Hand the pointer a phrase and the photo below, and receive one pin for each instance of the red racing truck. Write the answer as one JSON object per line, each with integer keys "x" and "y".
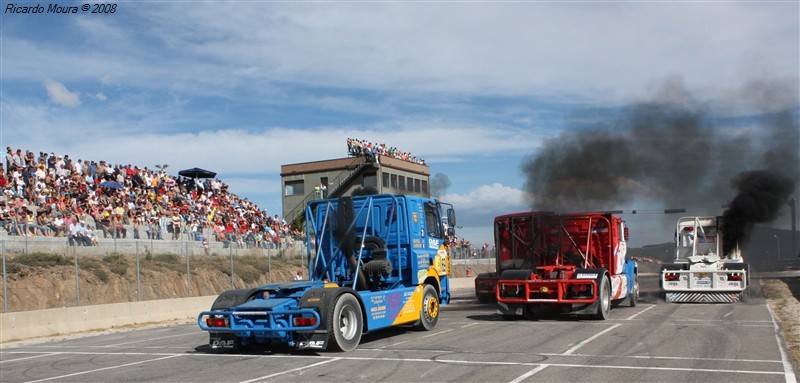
{"x": 514, "y": 243}
{"x": 578, "y": 266}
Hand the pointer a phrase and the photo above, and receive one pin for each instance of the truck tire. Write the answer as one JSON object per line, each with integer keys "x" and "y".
{"x": 429, "y": 313}
{"x": 345, "y": 323}
{"x": 224, "y": 301}
{"x": 634, "y": 298}
{"x": 603, "y": 300}
{"x": 232, "y": 298}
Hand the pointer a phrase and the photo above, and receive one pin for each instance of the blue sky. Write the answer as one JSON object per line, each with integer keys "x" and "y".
{"x": 472, "y": 87}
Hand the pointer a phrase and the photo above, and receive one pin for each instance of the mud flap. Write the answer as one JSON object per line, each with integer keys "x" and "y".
{"x": 317, "y": 340}
{"x": 585, "y": 308}
{"x": 510, "y": 308}
{"x": 223, "y": 341}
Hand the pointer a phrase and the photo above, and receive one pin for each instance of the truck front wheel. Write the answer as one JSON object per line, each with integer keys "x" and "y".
{"x": 603, "y": 300}
{"x": 429, "y": 314}
{"x": 345, "y": 324}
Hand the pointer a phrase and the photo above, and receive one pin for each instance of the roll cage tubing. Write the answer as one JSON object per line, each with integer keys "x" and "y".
{"x": 369, "y": 219}
{"x": 588, "y": 237}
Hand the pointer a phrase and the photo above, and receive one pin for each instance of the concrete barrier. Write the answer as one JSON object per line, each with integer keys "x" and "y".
{"x": 462, "y": 283}
{"x": 25, "y": 325}
{"x": 68, "y": 320}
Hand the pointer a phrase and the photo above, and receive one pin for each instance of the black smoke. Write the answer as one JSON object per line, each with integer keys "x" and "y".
{"x": 673, "y": 149}
{"x": 760, "y": 196}
{"x": 440, "y": 182}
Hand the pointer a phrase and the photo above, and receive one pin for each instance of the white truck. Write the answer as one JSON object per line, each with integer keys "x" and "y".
{"x": 702, "y": 270}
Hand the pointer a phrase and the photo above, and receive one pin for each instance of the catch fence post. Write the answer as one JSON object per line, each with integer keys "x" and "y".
{"x": 188, "y": 268}
{"x": 5, "y": 288}
{"x": 77, "y": 283}
{"x": 138, "y": 275}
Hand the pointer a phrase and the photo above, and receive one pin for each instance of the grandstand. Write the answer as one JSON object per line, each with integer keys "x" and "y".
{"x": 86, "y": 202}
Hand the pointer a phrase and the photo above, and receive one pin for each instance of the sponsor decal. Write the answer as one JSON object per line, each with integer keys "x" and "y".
{"x": 223, "y": 343}
{"x": 586, "y": 276}
{"x": 317, "y": 344}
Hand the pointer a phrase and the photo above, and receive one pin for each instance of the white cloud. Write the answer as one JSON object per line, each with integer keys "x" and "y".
{"x": 59, "y": 94}
{"x": 477, "y": 208}
{"x": 482, "y": 204}
{"x": 100, "y": 96}
{"x": 519, "y": 47}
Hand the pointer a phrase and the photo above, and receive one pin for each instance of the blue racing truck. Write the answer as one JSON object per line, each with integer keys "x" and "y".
{"x": 374, "y": 261}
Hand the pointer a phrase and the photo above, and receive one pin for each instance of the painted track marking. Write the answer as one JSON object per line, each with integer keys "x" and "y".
{"x": 591, "y": 338}
{"x": 104, "y": 369}
{"x": 529, "y": 373}
{"x": 28, "y": 357}
{"x": 429, "y": 360}
{"x": 788, "y": 372}
{"x": 640, "y": 312}
{"x": 292, "y": 370}
{"x": 422, "y": 337}
{"x": 151, "y": 339}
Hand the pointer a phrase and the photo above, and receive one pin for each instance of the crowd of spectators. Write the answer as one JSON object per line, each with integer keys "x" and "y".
{"x": 356, "y": 148}
{"x": 54, "y": 196}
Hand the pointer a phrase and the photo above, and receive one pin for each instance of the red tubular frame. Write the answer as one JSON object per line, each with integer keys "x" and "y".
{"x": 535, "y": 287}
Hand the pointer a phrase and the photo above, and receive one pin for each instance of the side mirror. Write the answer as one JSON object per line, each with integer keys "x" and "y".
{"x": 451, "y": 217}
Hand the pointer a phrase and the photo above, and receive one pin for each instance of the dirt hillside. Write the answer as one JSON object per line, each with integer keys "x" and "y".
{"x": 40, "y": 281}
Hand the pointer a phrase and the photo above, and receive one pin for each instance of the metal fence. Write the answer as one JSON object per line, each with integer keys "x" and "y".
{"x": 41, "y": 273}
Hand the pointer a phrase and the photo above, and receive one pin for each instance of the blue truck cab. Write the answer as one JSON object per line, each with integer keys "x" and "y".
{"x": 374, "y": 261}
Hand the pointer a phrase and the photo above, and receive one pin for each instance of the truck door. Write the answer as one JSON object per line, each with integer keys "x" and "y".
{"x": 435, "y": 239}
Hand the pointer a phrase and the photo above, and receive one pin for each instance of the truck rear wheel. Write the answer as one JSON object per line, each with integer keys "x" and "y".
{"x": 225, "y": 341}
{"x": 603, "y": 300}
{"x": 345, "y": 324}
{"x": 429, "y": 313}
{"x": 635, "y": 295}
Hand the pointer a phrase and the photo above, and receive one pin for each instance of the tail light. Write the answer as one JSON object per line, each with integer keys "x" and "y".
{"x": 671, "y": 276}
{"x": 581, "y": 291}
{"x": 511, "y": 290}
{"x": 735, "y": 276}
{"x": 304, "y": 321}
{"x": 217, "y": 322}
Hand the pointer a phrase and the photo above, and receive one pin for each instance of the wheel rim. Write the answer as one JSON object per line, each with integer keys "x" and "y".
{"x": 347, "y": 323}
{"x": 431, "y": 308}
{"x": 606, "y": 297}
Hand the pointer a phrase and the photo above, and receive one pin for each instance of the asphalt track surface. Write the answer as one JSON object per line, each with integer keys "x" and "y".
{"x": 652, "y": 342}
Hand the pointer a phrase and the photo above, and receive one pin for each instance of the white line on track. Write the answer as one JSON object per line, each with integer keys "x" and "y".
{"x": 415, "y": 339}
{"x": 732, "y": 324}
{"x": 104, "y": 369}
{"x": 288, "y": 371}
{"x": 469, "y": 325}
{"x": 640, "y": 312}
{"x": 29, "y": 357}
{"x": 529, "y": 373}
{"x": 574, "y": 355}
{"x": 414, "y": 360}
{"x": 788, "y": 372}
{"x": 151, "y": 339}
{"x": 593, "y": 337}
{"x": 723, "y": 320}
{"x": 661, "y": 358}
